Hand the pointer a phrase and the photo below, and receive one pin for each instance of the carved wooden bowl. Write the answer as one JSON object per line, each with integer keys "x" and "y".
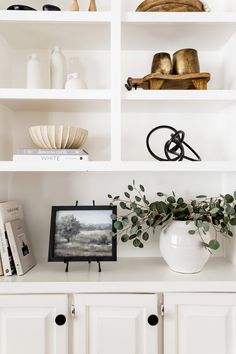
{"x": 171, "y": 6}
{"x": 58, "y": 136}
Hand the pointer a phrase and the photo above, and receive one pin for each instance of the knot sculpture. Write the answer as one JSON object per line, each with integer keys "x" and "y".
{"x": 174, "y": 146}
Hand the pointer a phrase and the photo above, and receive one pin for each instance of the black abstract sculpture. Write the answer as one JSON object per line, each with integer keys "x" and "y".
{"x": 174, "y": 146}
{"x": 21, "y": 7}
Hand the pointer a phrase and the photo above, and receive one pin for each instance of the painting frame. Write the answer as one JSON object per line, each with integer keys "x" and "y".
{"x": 53, "y": 257}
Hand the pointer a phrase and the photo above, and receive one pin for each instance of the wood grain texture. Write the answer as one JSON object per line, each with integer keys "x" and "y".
{"x": 74, "y": 5}
{"x": 171, "y": 5}
{"x": 196, "y": 81}
{"x": 92, "y": 5}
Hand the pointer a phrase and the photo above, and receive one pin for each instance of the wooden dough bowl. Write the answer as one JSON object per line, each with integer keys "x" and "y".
{"x": 171, "y": 6}
{"x": 196, "y": 81}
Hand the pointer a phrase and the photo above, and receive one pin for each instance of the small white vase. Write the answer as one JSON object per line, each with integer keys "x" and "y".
{"x": 74, "y": 82}
{"x": 184, "y": 253}
{"x": 34, "y": 73}
{"x": 57, "y": 69}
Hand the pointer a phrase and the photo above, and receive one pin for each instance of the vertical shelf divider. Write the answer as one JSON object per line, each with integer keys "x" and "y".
{"x": 116, "y": 80}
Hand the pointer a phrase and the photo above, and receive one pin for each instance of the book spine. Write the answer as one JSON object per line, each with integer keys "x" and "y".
{"x": 56, "y": 158}
{"x": 51, "y": 152}
{"x": 13, "y": 246}
{"x": 8, "y": 211}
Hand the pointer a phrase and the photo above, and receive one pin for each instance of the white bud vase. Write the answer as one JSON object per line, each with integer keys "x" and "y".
{"x": 34, "y": 73}
{"x": 57, "y": 69}
{"x": 74, "y": 82}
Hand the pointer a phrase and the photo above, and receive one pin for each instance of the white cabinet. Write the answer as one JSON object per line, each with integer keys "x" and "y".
{"x": 116, "y": 324}
{"x": 28, "y": 324}
{"x": 200, "y": 323}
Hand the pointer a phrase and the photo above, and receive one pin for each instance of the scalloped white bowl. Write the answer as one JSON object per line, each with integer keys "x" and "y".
{"x": 58, "y": 136}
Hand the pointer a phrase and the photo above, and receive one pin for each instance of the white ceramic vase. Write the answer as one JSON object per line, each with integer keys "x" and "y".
{"x": 57, "y": 69}
{"x": 74, "y": 82}
{"x": 34, "y": 73}
{"x": 184, "y": 253}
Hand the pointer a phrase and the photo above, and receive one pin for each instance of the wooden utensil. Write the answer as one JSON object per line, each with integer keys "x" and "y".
{"x": 92, "y": 6}
{"x": 74, "y": 5}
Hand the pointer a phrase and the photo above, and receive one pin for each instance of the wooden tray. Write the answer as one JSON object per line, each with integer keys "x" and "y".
{"x": 171, "y": 5}
{"x": 196, "y": 81}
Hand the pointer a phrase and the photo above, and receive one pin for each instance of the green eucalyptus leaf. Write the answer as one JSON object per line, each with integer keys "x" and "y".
{"x": 192, "y": 232}
{"x": 116, "y": 197}
{"x": 118, "y": 225}
{"x": 138, "y": 199}
{"x": 134, "y": 219}
{"x": 130, "y": 188}
{"x": 145, "y": 236}
{"x": 235, "y": 195}
{"x": 206, "y": 226}
{"x": 125, "y": 238}
{"x": 133, "y": 205}
{"x": 141, "y": 245}
{"x": 171, "y": 200}
{"x": 142, "y": 188}
{"x": 160, "y": 194}
{"x": 230, "y": 210}
{"x": 123, "y": 205}
{"x": 136, "y": 242}
{"x": 233, "y": 221}
{"x": 228, "y": 198}
{"x": 230, "y": 233}
{"x": 180, "y": 200}
{"x": 113, "y": 216}
{"x": 214, "y": 211}
{"x": 131, "y": 237}
{"x": 109, "y": 196}
{"x": 214, "y": 245}
{"x": 202, "y": 196}
{"x": 127, "y": 195}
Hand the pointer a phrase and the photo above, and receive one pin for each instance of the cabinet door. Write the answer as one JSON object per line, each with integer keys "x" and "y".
{"x": 116, "y": 324}
{"x": 27, "y": 324}
{"x": 200, "y": 323}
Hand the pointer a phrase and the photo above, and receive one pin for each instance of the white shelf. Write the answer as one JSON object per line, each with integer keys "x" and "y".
{"x": 55, "y": 100}
{"x": 126, "y": 166}
{"x": 125, "y": 275}
{"x": 43, "y": 30}
{"x": 178, "y": 100}
{"x": 205, "y": 31}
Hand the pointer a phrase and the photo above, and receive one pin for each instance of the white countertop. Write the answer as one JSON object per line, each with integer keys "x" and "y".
{"x": 146, "y": 275}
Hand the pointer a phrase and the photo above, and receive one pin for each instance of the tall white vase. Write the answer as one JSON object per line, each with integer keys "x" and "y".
{"x": 34, "y": 73}
{"x": 184, "y": 253}
{"x": 57, "y": 69}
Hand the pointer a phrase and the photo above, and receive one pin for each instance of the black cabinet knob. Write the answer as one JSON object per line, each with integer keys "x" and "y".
{"x": 60, "y": 320}
{"x": 153, "y": 320}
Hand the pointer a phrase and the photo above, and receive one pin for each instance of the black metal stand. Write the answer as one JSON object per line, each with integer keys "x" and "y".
{"x": 67, "y": 265}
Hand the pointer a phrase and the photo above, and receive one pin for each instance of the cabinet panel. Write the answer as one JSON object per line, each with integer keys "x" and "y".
{"x": 115, "y": 324}
{"x": 27, "y": 324}
{"x": 200, "y": 323}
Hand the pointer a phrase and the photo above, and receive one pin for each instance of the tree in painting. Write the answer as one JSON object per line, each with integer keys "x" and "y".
{"x": 68, "y": 227}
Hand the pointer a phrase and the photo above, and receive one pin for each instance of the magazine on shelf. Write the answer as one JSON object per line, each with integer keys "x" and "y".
{"x": 20, "y": 246}
{"x": 9, "y": 211}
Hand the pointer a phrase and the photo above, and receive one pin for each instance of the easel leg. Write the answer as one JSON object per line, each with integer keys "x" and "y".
{"x": 67, "y": 266}
{"x": 99, "y": 267}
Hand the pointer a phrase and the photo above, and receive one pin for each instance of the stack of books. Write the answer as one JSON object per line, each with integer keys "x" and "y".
{"x": 15, "y": 249}
{"x": 58, "y": 155}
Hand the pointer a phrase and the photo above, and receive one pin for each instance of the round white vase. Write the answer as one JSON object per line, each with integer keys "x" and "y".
{"x": 74, "y": 82}
{"x": 34, "y": 73}
{"x": 184, "y": 253}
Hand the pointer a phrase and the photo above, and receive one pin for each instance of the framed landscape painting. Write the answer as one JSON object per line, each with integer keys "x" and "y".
{"x": 82, "y": 233}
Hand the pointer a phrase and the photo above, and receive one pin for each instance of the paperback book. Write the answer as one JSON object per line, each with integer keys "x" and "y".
{"x": 20, "y": 246}
{"x": 9, "y": 211}
{"x": 57, "y": 155}
{"x": 51, "y": 152}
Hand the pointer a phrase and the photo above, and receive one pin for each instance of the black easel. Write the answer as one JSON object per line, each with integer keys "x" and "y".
{"x": 66, "y": 260}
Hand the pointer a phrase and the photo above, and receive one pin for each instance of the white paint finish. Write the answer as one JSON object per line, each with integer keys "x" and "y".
{"x": 199, "y": 323}
{"x": 117, "y": 323}
{"x": 27, "y": 324}
{"x": 128, "y": 275}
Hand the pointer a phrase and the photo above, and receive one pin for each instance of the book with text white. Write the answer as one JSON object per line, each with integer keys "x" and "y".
{"x": 9, "y": 211}
{"x": 51, "y": 158}
{"x": 20, "y": 246}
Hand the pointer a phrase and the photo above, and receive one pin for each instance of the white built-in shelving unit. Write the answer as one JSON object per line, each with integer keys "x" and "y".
{"x": 106, "y": 48}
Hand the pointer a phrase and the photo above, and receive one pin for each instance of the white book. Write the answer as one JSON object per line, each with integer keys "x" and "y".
{"x": 20, "y": 246}
{"x": 52, "y": 158}
{"x": 51, "y": 152}
{"x": 9, "y": 211}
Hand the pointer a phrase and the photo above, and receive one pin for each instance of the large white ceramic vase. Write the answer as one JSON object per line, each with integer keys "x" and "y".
{"x": 184, "y": 253}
